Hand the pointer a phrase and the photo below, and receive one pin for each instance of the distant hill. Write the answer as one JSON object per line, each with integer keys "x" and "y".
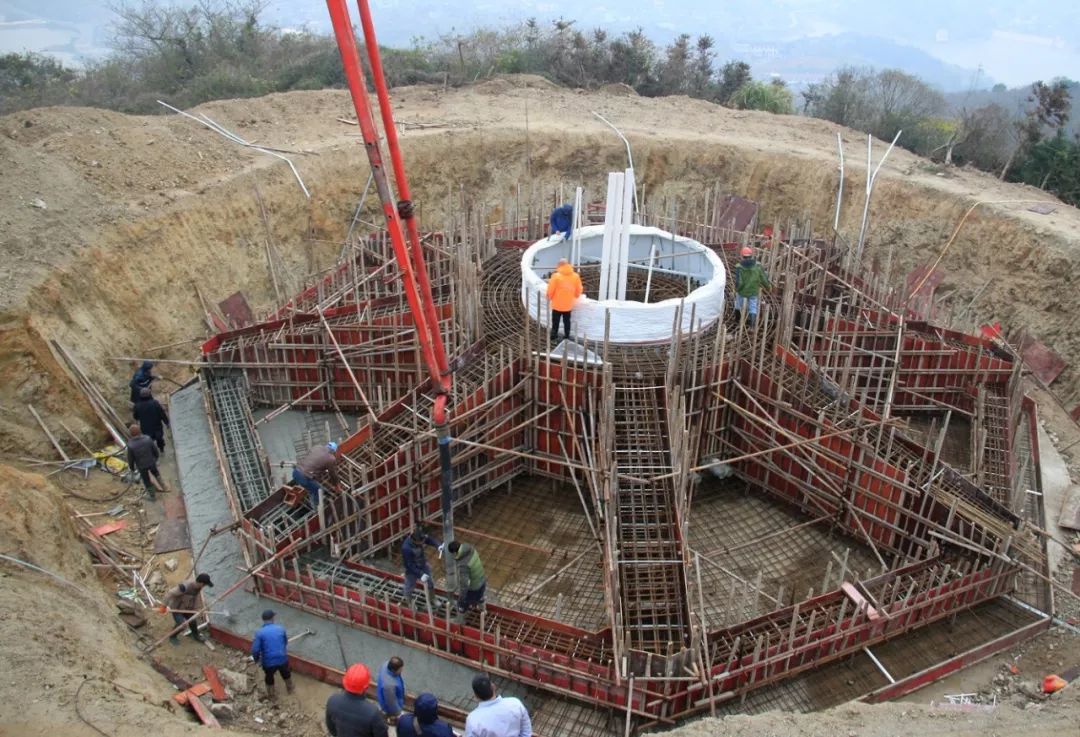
{"x": 811, "y": 59}
{"x": 1013, "y": 99}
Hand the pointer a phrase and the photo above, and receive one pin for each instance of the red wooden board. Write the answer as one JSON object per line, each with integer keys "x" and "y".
{"x": 214, "y": 680}
{"x": 108, "y": 527}
{"x": 236, "y": 310}
{"x": 197, "y": 690}
{"x": 1043, "y": 361}
{"x": 205, "y": 715}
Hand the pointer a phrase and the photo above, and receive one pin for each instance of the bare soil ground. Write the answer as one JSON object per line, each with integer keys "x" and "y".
{"x": 138, "y": 210}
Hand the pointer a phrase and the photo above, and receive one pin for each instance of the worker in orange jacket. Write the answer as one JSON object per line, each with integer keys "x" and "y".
{"x": 563, "y": 289}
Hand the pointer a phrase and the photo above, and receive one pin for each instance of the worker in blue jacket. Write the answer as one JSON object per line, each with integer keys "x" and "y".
{"x": 142, "y": 379}
{"x": 415, "y": 562}
{"x": 390, "y": 688}
{"x": 424, "y": 721}
{"x": 271, "y": 647}
{"x": 562, "y": 220}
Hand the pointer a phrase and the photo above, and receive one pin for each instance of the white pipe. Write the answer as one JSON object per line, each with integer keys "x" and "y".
{"x": 648, "y": 277}
{"x": 870, "y": 179}
{"x": 627, "y": 217}
{"x": 575, "y": 245}
{"x": 879, "y": 665}
{"x": 840, "y": 191}
{"x": 207, "y": 123}
{"x": 629, "y": 156}
{"x": 611, "y": 215}
{"x": 359, "y": 207}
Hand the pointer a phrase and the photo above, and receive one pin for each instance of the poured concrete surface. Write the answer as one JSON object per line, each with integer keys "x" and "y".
{"x": 203, "y": 488}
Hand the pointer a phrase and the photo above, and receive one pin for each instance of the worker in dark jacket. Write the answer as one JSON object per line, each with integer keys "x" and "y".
{"x": 415, "y": 562}
{"x": 320, "y": 462}
{"x": 562, "y": 220}
{"x": 424, "y": 721}
{"x": 151, "y": 416}
{"x": 472, "y": 583}
{"x": 750, "y": 279}
{"x": 142, "y": 455}
{"x": 141, "y": 380}
{"x": 271, "y": 646}
{"x": 350, "y": 713}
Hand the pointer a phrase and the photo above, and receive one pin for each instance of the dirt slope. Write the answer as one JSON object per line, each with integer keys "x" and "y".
{"x": 139, "y": 209}
{"x": 62, "y": 644}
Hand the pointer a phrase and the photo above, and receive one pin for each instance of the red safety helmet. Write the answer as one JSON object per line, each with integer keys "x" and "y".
{"x": 357, "y": 678}
{"x": 746, "y": 251}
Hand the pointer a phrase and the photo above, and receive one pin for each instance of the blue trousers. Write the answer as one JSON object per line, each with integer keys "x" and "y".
{"x": 412, "y": 579}
{"x": 302, "y": 479}
{"x": 472, "y": 598}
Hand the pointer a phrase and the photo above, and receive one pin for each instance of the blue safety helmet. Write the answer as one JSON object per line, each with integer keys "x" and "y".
{"x": 332, "y": 446}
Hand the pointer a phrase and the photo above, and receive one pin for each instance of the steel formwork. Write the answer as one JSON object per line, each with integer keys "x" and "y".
{"x": 807, "y": 410}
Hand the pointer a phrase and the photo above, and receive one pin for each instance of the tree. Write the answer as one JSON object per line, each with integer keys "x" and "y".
{"x": 733, "y": 76}
{"x": 901, "y": 101}
{"x": 701, "y": 72}
{"x": 673, "y": 74}
{"x": 633, "y": 57}
{"x": 1048, "y": 112}
{"x": 843, "y": 97}
{"x": 772, "y": 98}
{"x": 29, "y": 80}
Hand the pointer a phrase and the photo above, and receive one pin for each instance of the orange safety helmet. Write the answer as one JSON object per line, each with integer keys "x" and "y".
{"x": 357, "y": 678}
{"x": 746, "y": 251}
{"x": 1053, "y": 683}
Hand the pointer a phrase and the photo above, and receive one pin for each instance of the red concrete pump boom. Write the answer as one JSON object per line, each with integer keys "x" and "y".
{"x": 409, "y": 255}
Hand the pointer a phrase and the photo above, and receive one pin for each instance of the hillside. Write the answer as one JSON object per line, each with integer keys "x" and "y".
{"x": 109, "y": 221}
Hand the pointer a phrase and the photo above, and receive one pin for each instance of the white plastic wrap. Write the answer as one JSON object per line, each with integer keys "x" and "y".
{"x": 631, "y": 322}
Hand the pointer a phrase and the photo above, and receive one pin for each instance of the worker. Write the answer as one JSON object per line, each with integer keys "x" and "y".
{"x": 183, "y": 602}
{"x": 390, "y": 688}
{"x": 424, "y": 720}
{"x": 563, "y": 289}
{"x": 151, "y": 416}
{"x": 320, "y": 461}
{"x": 142, "y": 455}
{"x": 271, "y": 646}
{"x": 750, "y": 279}
{"x": 496, "y": 716}
{"x": 141, "y": 380}
{"x": 470, "y": 576}
{"x": 349, "y": 713}
{"x": 415, "y": 562}
{"x": 562, "y": 221}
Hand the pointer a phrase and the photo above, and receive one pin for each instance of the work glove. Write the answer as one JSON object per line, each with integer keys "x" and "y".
{"x": 425, "y": 579}
{"x": 441, "y": 547}
{"x": 254, "y": 659}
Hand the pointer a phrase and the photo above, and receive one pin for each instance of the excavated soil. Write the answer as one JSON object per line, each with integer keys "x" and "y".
{"x": 113, "y": 228}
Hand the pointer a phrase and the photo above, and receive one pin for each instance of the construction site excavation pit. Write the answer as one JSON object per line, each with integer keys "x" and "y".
{"x": 692, "y": 516}
{"x": 841, "y": 504}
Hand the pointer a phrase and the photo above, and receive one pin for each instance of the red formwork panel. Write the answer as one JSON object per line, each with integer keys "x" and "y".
{"x": 594, "y": 681}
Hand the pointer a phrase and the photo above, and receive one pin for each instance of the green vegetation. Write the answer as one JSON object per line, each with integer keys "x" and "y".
{"x": 222, "y": 48}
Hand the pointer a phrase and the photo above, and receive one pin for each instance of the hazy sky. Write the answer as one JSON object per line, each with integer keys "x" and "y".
{"x": 1014, "y": 41}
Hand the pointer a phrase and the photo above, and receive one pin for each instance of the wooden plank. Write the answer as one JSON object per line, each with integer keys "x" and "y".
{"x": 109, "y": 527}
{"x": 1070, "y": 509}
{"x": 52, "y": 438}
{"x": 853, "y": 594}
{"x": 216, "y": 688}
{"x": 196, "y": 690}
{"x": 205, "y": 715}
{"x": 174, "y": 678}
